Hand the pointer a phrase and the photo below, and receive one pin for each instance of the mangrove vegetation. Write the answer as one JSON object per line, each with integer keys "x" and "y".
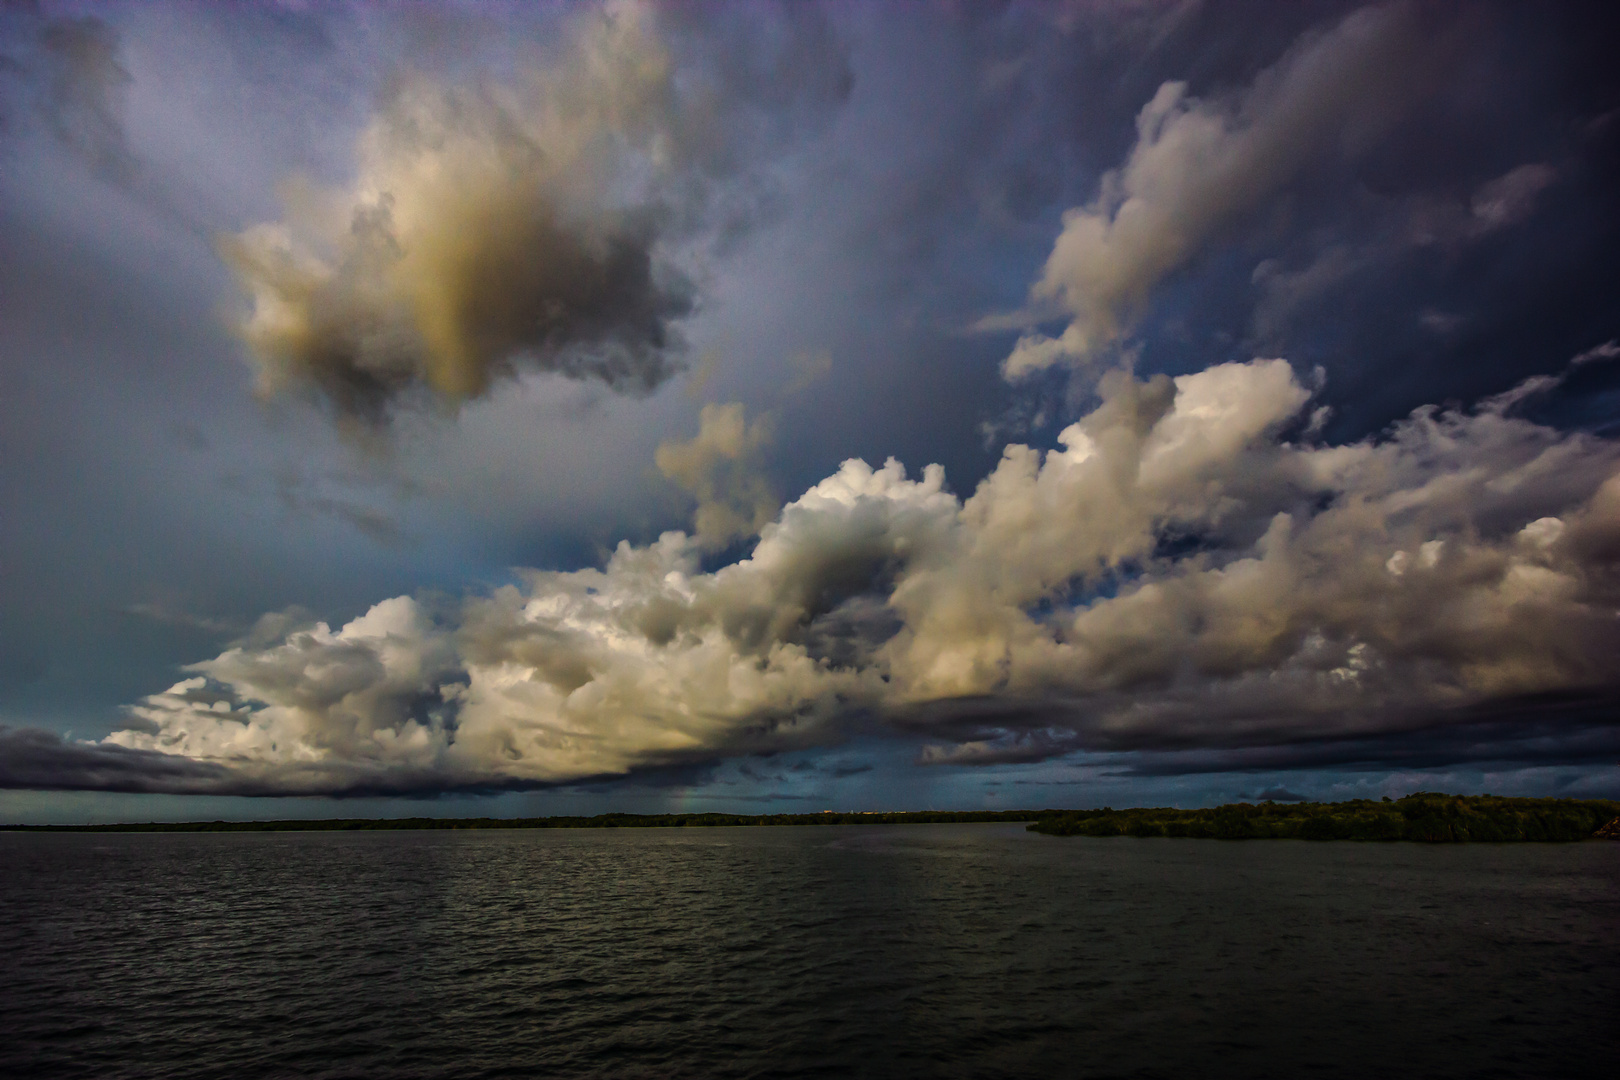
{"x": 1426, "y": 817}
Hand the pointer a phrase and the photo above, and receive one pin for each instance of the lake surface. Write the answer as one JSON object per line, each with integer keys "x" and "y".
{"x": 917, "y": 950}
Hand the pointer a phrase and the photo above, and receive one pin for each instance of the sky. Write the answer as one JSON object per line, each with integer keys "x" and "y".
{"x": 483, "y": 409}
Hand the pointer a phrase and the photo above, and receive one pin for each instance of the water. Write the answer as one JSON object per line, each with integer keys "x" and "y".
{"x": 953, "y": 951}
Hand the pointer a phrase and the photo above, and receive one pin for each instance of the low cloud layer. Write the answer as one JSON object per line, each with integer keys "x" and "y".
{"x": 35, "y": 759}
{"x": 1187, "y": 571}
{"x": 1200, "y": 165}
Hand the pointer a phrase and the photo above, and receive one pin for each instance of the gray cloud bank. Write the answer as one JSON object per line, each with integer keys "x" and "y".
{"x": 1187, "y": 572}
{"x": 35, "y": 759}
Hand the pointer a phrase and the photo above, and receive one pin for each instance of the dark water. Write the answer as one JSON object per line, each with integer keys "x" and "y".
{"x": 854, "y": 951}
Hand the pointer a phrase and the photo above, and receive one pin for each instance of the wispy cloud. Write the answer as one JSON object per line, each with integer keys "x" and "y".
{"x": 85, "y": 85}
{"x": 1200, "y": 165}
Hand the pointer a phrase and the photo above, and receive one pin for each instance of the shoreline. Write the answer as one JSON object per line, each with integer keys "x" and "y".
{"x": 1423, "y": 817}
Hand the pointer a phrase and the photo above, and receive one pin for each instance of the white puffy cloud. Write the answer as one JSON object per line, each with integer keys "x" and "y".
{"x": 1199, "y": 165}
{"x": 1180, "y": 572}
{"x": 368, "y": 693}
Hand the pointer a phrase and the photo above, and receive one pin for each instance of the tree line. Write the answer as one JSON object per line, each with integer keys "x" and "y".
{"x": 1425, "y": 817}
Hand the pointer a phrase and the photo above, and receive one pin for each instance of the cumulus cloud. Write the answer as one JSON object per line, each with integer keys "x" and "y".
{"x": 476, "y": 236}
{"x": 1199, "y": 165}
{"x": 720, "y": 466}
{"x": 1183, "y": 574}
{"x": 530, "y": 223}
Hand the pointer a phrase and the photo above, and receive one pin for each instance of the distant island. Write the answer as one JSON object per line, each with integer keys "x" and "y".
{"x": 1425, "y": 817}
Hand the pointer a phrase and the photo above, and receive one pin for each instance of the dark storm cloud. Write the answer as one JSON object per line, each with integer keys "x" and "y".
{"x": 531, "y": 292}
{"x": 38, "y": 760}
{"x": 1540, "y": 731}
{"x": 1436, "y": 244}
{"x": 34, "y": 759}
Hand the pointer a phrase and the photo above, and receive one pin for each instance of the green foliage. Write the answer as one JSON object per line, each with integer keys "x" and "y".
{"x": 1426, "y": 817}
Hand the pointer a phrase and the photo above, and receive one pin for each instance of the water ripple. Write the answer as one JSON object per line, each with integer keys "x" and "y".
{"x": 863, "y": 951}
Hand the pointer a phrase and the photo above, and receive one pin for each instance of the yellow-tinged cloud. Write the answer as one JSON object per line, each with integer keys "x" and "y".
{"x": 1177, "y": 573}
{"x": 720, "y": 465}
{"x": 488, "y": 228}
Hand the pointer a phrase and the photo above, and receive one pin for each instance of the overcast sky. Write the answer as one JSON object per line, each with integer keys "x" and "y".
{"x": 484, "y": 409}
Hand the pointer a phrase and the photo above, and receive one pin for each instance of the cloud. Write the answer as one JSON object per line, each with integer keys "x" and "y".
{"x": 531, "y": 224}
{"x": 1606, "y": 351}
{"x": 480, "y": 233}
{"x": 808, "y": 367}
{"x": 1180, "y": 577}
{"x": 165, "y": 615}
{"x": 1510, "y": 198}
{"x": 1391, "y": 230}
{"x": 301, "y": 495}
{"x": 1497, "y": 204}
{"x": 1541, "y": 730}
{"x": 720, "y": 466}
{"x": 1537, "y": 385}
{"x": 1199, "y": 165}
{"x": 1019, "y": 748}
{"x": 68, "y": 74}
{"x": 84, "y": 89}
{"x": 35, "y": 759}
